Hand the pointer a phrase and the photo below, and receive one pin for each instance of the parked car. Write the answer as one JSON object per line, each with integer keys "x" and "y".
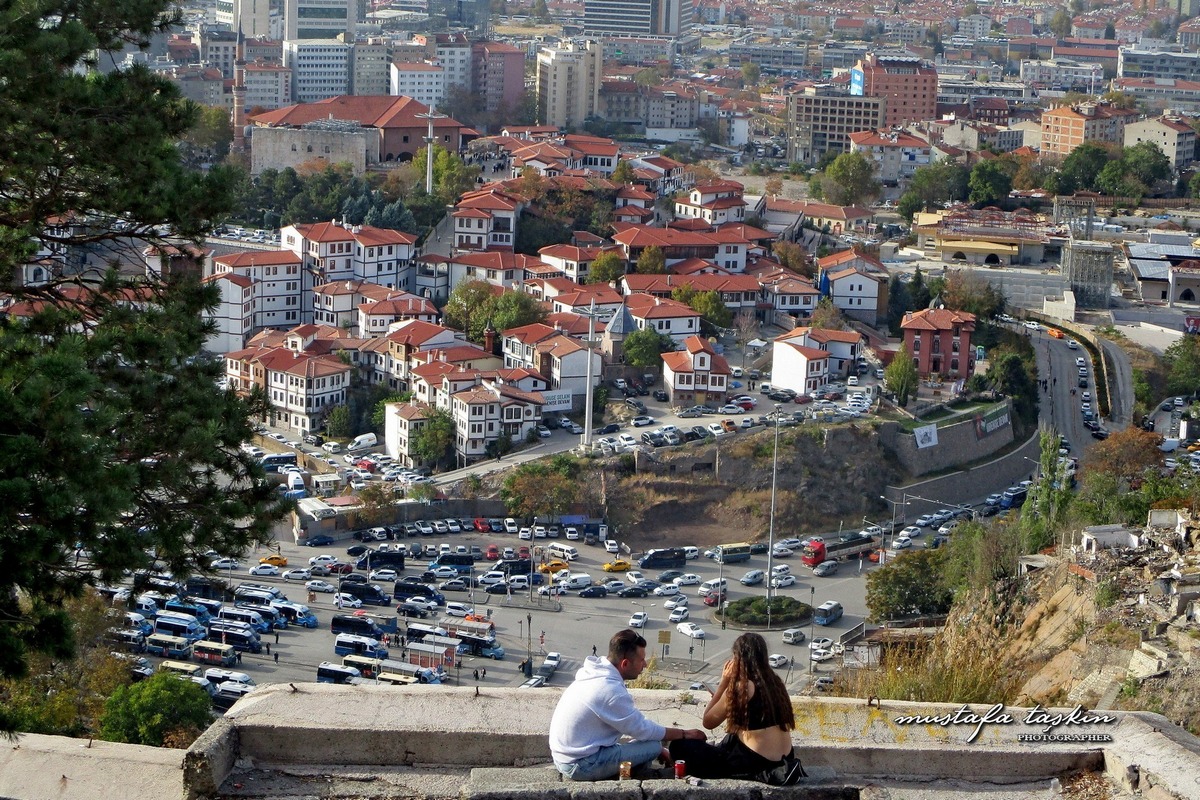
{"x": 638, "y": 619}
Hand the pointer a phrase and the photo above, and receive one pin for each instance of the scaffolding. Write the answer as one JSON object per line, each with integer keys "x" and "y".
{"x": 1088, "y": 269}
{"x": 1078, "y": 214}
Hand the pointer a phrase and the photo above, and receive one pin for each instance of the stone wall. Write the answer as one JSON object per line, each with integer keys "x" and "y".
{"x": 277, "y": 148}
{"x": 958, "y": 443}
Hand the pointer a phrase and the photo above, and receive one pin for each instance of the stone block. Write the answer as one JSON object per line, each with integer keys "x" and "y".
{"x": 514, "y": 784}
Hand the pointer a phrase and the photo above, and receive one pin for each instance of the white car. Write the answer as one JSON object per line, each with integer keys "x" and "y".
{"x": 780, "y": 581}
{"x": 822, "y": 643}
{"x": 638, "y": 620}
{"x": 445, "y": 573}
{"x": 822, "y": 655}
{"x": 510, "y": 525}
{"x": 780, "y": 551}
{"x": 687, "y": 579}
{"x": 778, "y": 660}
{"x": 611, "y": 546}
{"x": 324, "y": 558}
{"x": 264, "y": 569}
{"x": 633, "y": 577}
{"x": 296, "y": 575}
{"x": 690, "y": 630}
{"x": 553, "y": 590}
{"x": 493, "y": 577}
{"x": 791, "y": 543}
{"x": 901, "y": 543}
{"x": 525, "y": 534}
{"x": 342, "y": 600}
{"x": 384, "y": 575}
{"x": 320, "y": 586}
{"x": 666, "y": 590}
{"x": 679, "y": 614}
{"x": 459, "y": 610}
{"x": 678, "y": 601}
{"x": 911, "y": 531}
{"x": 225, "y": 563}
{"x": 422, "y": 602}
{"x": 572, "y": 534}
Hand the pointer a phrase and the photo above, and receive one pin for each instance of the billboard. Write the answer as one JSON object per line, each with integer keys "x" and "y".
{"x": 926, "y": 436}
{"x": 1191, "y": 324}
{"x": 992, "y": 421}
{"x": 857, "y": 81}
{"x": 557, "y": 401}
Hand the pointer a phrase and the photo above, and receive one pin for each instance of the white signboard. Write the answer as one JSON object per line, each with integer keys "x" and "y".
{"x": 926, "y": 436}
{"x": 557, "y": 401}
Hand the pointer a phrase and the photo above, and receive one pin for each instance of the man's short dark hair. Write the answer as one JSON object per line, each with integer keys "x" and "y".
{"x": 624, "y": 645}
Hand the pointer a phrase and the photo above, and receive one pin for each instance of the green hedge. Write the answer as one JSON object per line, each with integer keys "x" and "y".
{"x": 753, "y": 610}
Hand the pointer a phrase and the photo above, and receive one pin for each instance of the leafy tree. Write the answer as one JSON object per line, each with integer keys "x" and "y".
{"x": 468, "y": 306}
{"x": 644, "y": 347}
{"x": 909, "y": 204}
{"x": 537, "y": 231}
{"x": 750, "y": 75}
{"x": 542, "y": 488}
{"x": 901, "y": 376}
{"x": 451, "y": 175}
{"x": 918, "y": 293}
{"x": 514, "y": 309}
{"x": 850, "y": 180}
{"x": 989, "y": 182}
{"x": 433, "y": 442}
{"x": 898, "y": 304}
{"x": 159, "y": 709}
{"x": 607, "y": 267}
{"x": 1182, "y": 360}
{"x": 337, "y": 421}
{"x": 967, "y": 290}
{"x": 1081, "y": 168}
{"x": 212, "y": 133}
{"x": 714, "y": 314}
{"x": 936, "y": 184}
{"x": 1110, "y": 31}
{"x": 1116, "y": 181}
{"x": 379, "y": 409}
{"x": 827, "y": 315}
{"x": 541, "y": 11}
{"x": 1060, "y": 24}
{"x": 1146, "y": 162}
{"x": 913, "y": 584}
{"x": 1126, "y": 454}
{"x": 378, "y": 502}
{"x": 977, "y": 556}
{"x": 1010, "y": 375}
{"x": 652, "y": 261}
{"x": 623, "y": 173}
{"x": 793, "y": 256}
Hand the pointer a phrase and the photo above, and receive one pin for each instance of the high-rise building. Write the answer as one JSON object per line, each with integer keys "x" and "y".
{"x": 821, "y": 119}
{"x": 568, "y": 83}
{"x": 320, "y": 69}
{"x": 473, "y": 15}
{"x": 370, "y": 62}
{"x": 499, "y": 74}
{"x": 253, "y": 17}
{"x": 319, "y": 19}
{"x": 637, "y": 17}
{"x": 453, "y": 52}
{"x": 909, "y": 84}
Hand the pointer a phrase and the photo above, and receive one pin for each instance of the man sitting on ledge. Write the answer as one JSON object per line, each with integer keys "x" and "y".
{"x": 596, "y": 710}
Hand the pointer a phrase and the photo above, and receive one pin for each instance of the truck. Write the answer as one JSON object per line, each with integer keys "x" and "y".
{"x": 854, "y": 545}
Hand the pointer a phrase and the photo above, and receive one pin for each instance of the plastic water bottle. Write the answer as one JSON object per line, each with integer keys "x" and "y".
{"x": 1055, "y": 787}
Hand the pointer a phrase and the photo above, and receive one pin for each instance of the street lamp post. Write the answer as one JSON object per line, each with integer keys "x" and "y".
{"x": 771, "y": 526}
{"x": 812, "y": 625}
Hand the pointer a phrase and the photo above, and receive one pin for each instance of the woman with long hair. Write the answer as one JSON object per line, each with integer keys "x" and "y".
{"x": 755, "y": 707}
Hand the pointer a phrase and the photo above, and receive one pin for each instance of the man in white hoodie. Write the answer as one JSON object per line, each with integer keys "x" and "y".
{"x": 596, "y": 711}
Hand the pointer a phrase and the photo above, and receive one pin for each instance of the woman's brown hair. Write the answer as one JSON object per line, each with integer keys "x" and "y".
{"x": 750, "y": 666}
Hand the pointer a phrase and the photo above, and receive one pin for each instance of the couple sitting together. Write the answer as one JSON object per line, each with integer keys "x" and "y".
{"x": 597, "y": 710}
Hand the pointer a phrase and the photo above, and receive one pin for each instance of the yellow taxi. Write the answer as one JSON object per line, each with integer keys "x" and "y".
{"x": 619, "y": 565}
{"x": 274, "y": 560}
{"x": 551, "y": 567}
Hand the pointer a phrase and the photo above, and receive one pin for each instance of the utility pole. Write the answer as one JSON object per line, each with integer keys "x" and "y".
{"x": 588, "y": 389}
{"x": 429, "y": 115}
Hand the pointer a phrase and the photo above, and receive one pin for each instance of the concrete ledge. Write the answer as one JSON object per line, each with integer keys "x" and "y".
{"x": 932, "y": 763}
{"x": 38, "y": 767}
{"x": 545, "y": 783}
{"x": 210, "y": 759}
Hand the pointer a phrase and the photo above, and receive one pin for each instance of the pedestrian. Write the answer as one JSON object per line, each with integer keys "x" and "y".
{"x": 268, "y": 646}
{"x": 477, "y": 676}
{"x": 403, "y": 640}
{"x": 239, "y": 657}
{"x": 593, "y": 649}
{"x": 484, "y": 673}
{"x": 276, "y": 637}
{"x": 276, "y": 656}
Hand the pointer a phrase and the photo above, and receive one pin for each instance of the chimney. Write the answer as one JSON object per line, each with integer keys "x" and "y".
{"x": 489, "y": 339}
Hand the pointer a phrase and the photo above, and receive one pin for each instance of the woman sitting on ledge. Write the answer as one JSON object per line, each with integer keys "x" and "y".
{"x": 754, "y": 705}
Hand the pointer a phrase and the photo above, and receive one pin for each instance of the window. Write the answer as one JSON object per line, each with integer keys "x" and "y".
{"x": 917, "y": 345}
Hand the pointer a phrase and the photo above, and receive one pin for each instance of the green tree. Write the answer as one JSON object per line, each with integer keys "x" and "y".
{"x": 652, "y": 261}
{"x": 913, "y": 584}
{"x": 644, "y": 347}
{"x": 1115, "y": 180}
{"x": 714, "y": 314}
{"x": 1081, "y": 168}
{"x": 989, "y": 182}
{"x": 1146, "y": 162}
{"x": 793, "y": 256}
{"x": 607, "y": 267}
{"x": 1182, "y": 360}
{"x": 1060, "y": 24}
{"x": 543, "y": 488}
{"x": 909, "y": 204}
{"x": 750, "y": 75}
{"x": 827, "y": 315}
{"x": 159, "y": 709}
{"x": 514, "y": 309}
{"x": 850, "y": 180}
{"x": 1010, "y": 375}
{"x": 379, "y": 409}
{"x": 536, "y": 231}
{"x": 967, "y": 290}
{"x": 898, "y": 304}
{"x": 337, "y": 421}
{"x": 918, "y": 293}
{"x": 541, "y": 11}
{"x": 468, "y": 307}
{"x": 212, "y": 133}
{"x": 936, "y": 184}
{"x": 433, "y": 442}
{"x": 901, "y": 376}
{"x": 623, "y": 174}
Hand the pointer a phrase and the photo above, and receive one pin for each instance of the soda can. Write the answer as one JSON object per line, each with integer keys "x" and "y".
{"x": 626, "y": 770}
{"x": 680, "y": 770}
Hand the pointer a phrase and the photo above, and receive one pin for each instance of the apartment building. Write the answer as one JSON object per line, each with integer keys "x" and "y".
{"x": 1133, "y": 62}
{"x": 1066, "y": 127}
{"x": 268, "y": 86}
{"x": 821, "y": 118}
{"x": 896, "y": 154}
{"x": 1172, "y": 134}
{"x": 499, "y": 74}
{"x": 424, "y": 82}
{"x": 568, "y": 83}
{"x": 909, "y": 84}
{"x": 320, "y": 68}
{"x": 637, "y": 17}
{"x": 319, "y": 19}
{"x": 370, "y": 59}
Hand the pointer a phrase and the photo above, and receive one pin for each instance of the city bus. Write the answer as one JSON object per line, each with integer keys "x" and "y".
{"x": 348, "y": 644}
{"x": 392, "y": 679}
{"x": 369, "y": 667}
{"x": 827, "y": 613}
{"x": 161, "y": 644}
{"x": 179, "y": 626}
{"x": 273, "y": 461}
{"x": 665, "y": 558}
{"x": 180, "y": 668}
{"x": 733, "y": 553}
{"x": 222, "y": 655}
{"x": 328, "y": 672}
{"x": 463, "y": 562}
{"x": 240, "y": 637}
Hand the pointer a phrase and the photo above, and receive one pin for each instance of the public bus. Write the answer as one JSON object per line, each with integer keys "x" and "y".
{"x": 273, "y": 461}
{"x": 222, "y": 655}
{"x": 178, "y": 626}
{"x": 392, "y": 679}
{"x": 827, "y": 613}
{"x": 328, "y": 672}
{"x": 180, "y": 668}
{"x": 733, "y": 553}
{"x": 348, "y": 644}
{"x": 161, "y": 644}
{"x": 370, "y": 667}
{"x": 240, "y": 637}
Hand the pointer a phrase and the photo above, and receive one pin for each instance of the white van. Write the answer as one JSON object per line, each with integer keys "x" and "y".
{"x": 713, "y": 585}
{"x": 564, "y": 551}
{"x": 793, "y": 636}
{"x": 781, "y": 569}
{"x": 331, "y": 447}
{"x": 578, "y": 580}
{"x": 459, "y": 609}
{"x": 363, "y": 442}
{"x": 217, "y": 676}
{"x": 691, "y": 552}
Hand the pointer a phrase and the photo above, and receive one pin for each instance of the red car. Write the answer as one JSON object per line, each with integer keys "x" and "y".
{"x": 523, "y": 552}
{"x": 369, "y": 466}
{"x": 492, "y": 553}
{"x": 714, "y": 597}
{"x": 340, "y": 569}
{"x": 801, "y": 399}
{"x": 482, "y": 525}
